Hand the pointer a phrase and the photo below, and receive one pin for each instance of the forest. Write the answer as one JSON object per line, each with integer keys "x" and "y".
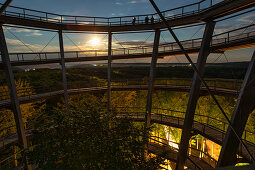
{"x": 108, "y": 141}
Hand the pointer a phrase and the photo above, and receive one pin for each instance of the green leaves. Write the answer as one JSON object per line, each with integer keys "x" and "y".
{"x": 89, "y": 138}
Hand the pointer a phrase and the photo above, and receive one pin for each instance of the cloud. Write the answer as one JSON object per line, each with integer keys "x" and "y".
{"x": 119, "y": 14}
{"x": 137, "y": 1}
{"x": 36, "y": 33}
{"x": 23, "y": 30}
{"x": 132, "y": 2}
{"x": 248, "y": 18}
{"x": 118, "y": 3}
{"x": 29, "y": 32}
{"x": 228, "y": 27}
{"x": 12, "y": 41}
{"x": 134, "y": 43}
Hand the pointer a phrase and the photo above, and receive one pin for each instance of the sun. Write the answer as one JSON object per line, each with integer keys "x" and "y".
{"x": 95, "y": 42}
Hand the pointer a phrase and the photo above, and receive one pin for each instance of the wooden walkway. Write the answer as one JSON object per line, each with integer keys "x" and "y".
{"x": 210, "y": 132}
{"x": 27, "y": 99}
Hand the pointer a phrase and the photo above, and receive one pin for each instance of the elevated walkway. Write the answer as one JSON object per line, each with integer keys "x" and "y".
{"x": 188, "y": 14}
{"x": 210, "y": 132}
{"x": 179, "y": 88}
{"x": 226, "y": 41}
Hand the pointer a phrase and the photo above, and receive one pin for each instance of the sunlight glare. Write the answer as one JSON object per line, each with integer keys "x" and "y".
{"x": 95, "y": 41}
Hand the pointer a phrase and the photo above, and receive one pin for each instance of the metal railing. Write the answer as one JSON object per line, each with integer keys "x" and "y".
{"x": 204, "y": 121}
{"x": 184, "y": 83}
{"x": 218, "y": 40}
{"x": 204, "y": 156}
{"x": 211, "y": 131}
{"x": 179, "y": 12}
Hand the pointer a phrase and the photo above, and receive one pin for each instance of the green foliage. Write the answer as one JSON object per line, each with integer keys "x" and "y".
{"x": 87, "y": 138}
{"x": 30, "y": 111}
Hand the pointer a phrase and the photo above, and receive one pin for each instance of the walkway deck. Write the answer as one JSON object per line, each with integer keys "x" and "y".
{"x": 210, "y": 132}
{"x": 31, "y": 98}
{"x": 199, "y": 13}
{"x": 230, "y": 40}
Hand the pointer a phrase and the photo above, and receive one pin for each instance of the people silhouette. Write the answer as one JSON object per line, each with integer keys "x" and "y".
{"x": 152, "y": 20}
{"x": 133, "y": 22}
{"x": 146, "y": 20}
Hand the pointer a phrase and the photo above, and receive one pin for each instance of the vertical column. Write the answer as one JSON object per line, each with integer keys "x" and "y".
{"x": 194, "y": 95}
{"x": 61, "y": 48}
{"x": 151, "y": 79}
{"x": 244, "y": 106}
{"x": 109, "y": 72}
{"x": 13, "y": 95}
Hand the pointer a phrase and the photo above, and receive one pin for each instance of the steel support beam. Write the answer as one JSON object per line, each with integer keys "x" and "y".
{"x": 14, "y": 97}
{"x": 200, "y": 76}
{"x": 4, "y": 6}
{"x": 244, "y": 106}
{"x": 109, "y": 71}
{"x": 151, "y": 79}
{"x": 194, "y": 95}
{"x": 62, "y": 55}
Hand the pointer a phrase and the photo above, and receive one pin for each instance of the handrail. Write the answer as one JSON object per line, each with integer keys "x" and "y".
{"x": 223, "y": 130}
{"x": 140, "y": 50}
{"x": 80, "y": 85}
{"x": 109, "y": 21}
{"x": 168, "y": 141}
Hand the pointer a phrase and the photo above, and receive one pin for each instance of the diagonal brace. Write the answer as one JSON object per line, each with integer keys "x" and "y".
{"x": 199, "y": 76}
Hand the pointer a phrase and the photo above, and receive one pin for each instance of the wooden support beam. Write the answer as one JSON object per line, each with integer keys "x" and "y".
{"x": 14, "y": 97}
{"x": 194, "y": 95}
{"x": 244, "y": 106}
{"x": 62, "y": 55}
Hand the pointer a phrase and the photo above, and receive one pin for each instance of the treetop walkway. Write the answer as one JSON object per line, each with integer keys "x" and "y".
{"x": 205, "y": 11}
{"x": 218, "y": 86}
{"x": 188, "y": 14}
{"x": 230, "y": 40}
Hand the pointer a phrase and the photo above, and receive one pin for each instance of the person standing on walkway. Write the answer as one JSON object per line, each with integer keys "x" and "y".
{"x": 146, "y": 20}
{"x": 152, "y": 20}
{"x": 133, "y": 22}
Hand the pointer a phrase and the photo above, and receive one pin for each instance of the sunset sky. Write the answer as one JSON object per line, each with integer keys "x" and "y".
{"x": 35, "y": 40}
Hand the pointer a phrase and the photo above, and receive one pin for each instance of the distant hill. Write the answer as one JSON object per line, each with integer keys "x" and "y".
{"x": 229, "y": 64}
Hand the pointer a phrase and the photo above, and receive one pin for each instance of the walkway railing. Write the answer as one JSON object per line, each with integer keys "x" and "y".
{"x": 219, "y": 40}
{"x": 204, "y": 121}
{"x": 193, "y": 151}
{"x": 179, "y": 12}
{"x": 214, "y": 84}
